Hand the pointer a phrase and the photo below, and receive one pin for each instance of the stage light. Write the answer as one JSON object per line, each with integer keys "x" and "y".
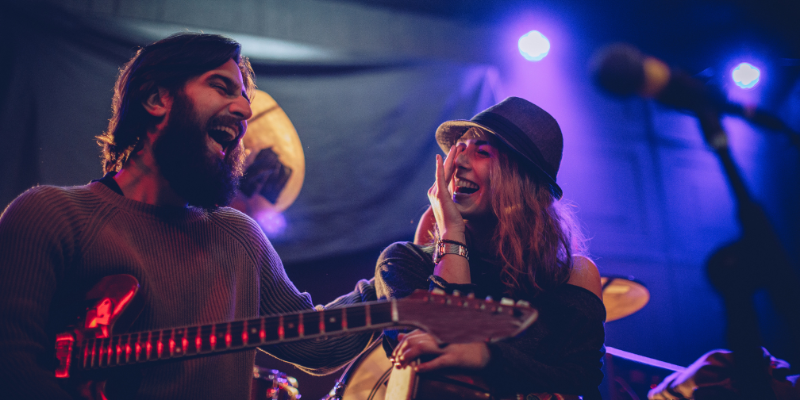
{"x": 273, "y": 223}
{"x": 533, "y": 46}
{"x": 745, "y": 75}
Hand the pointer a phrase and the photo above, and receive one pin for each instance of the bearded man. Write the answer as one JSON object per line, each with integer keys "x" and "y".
{"x": 172, "y": 157}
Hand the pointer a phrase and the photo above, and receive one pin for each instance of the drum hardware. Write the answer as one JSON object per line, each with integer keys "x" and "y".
{"x": 623, "y": 296}
{"x": 272, "y": 384}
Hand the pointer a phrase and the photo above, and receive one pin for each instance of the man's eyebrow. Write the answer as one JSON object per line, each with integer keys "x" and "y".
{"x": 231, "y": 85}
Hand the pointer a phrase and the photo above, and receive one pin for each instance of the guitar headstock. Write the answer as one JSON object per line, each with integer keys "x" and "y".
{"x": 463, "y": 319}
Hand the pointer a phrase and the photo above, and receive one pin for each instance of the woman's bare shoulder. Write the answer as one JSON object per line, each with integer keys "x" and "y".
{"x": 586, "y": 275}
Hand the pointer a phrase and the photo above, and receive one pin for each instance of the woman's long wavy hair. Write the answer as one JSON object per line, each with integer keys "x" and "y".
{"x": 536, "y": 236}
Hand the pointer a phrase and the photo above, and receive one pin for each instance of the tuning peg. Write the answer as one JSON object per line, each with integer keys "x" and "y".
{"x": 506, "y": 301}
{"x": 489, "y": 299}
{"x": 471, "y": 296}
{"x": 437, "y": 291}
{"x": 523, "y": 303}
{"x": 456, "y": 293}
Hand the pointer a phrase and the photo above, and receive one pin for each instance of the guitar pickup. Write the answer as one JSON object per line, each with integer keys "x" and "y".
{"x": 64, "y": 342}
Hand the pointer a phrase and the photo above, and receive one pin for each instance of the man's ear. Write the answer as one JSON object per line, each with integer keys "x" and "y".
{"x": 158, "y": 102}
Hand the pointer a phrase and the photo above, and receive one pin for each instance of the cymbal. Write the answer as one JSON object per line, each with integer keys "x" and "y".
{"x": 622, "y": 296}
{"x": 274, "y": 164}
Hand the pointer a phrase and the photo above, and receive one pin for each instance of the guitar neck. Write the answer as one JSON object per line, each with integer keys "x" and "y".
{"x": 202, "y": 340}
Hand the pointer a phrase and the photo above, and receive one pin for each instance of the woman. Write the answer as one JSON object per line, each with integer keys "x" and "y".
{"x": 500, "y": 231}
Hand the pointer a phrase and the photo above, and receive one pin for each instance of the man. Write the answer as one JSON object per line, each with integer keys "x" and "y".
{"x": 172, "y": 156}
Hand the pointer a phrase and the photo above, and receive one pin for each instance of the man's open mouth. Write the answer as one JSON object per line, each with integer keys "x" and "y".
{"x": 224, "y": 135}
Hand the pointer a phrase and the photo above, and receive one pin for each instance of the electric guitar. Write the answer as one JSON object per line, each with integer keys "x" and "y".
{"x": 92, "y": 347}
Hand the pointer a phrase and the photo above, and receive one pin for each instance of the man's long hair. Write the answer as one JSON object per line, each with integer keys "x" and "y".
{"x": 169, "y": 64}
{"x": 536, "y": 236}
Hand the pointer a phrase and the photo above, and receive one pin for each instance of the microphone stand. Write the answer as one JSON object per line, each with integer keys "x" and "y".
{"x": 737, "y": 270}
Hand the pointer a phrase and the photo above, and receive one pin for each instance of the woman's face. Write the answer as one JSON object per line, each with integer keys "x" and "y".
{"x": 471, "y": 185}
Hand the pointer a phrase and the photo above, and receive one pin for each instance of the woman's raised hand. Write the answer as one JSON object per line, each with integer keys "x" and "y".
{"x": 448, "y": 218}
{"x": 417, "y": 343}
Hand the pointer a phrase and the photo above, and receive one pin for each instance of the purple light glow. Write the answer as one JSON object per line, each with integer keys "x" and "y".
{"x": 745, "y": 75}
{"x": 273, "y": 223}
{"x": 533, "y": 46}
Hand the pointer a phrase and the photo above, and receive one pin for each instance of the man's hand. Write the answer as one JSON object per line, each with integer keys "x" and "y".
{"x": 413, "y": 345}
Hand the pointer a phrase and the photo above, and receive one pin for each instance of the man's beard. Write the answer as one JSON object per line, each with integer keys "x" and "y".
{"x": 185, "y": 161}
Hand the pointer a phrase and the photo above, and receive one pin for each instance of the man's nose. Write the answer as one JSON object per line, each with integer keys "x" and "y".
{"x": 241, "y": 108}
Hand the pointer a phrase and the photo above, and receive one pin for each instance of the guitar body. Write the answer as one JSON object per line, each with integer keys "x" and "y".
{"x": 373, "y": 377}
{"x": 109, "y": 304}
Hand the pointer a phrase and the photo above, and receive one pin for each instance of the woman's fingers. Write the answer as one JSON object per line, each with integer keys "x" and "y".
{"x": 412, "y": 346}
{"x": 450, "y": 162}
{"x": 468, "y": 355}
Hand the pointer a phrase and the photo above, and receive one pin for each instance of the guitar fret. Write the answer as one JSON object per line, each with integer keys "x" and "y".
{"x": 281, "y": 331}
{"x": 85, "y": 354}
{"x": 198, "y": 340}
{"x": 322, "y": 322}
{"x": 150, "y": 339}
{"x": 236, "y": 329}
{"x": 119, "y": 350}
{"x": 273, "y": 329}
{"x": 171, "y": 343}
{"x": 344, "y": 319}
{"x": 109, "y": 352}
{"x": 206, "y": 333}
{"x": 244, "y": 332}
{"x": 160, "y": 345}
{"x": 184, "y": 344}
{"x": 228, "y": 336}
{"x": 300, "y": 326}
{"x": 367, "y": 316}
{"x": 101, "y": 353}
{"x": 138, "y": 349}
{"x": 381, "y": 313}
{"x": 262, "y": 333}
{"x": 254, "y": 331}
{"x": 332, "y": 321}
{"x": 128, "y": 350}
{"x": 212, "y": 340}
{"x": 311, "y": 323}
{"x": 291, "y": 326}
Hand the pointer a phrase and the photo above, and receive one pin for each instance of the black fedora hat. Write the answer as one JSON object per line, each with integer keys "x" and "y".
{"x": 524, "y": 127}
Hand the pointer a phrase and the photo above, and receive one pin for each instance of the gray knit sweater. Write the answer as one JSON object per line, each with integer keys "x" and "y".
{"x": 194, "y": 267}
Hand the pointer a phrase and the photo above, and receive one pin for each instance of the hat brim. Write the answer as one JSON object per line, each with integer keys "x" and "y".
{"x": 449, "y": 132}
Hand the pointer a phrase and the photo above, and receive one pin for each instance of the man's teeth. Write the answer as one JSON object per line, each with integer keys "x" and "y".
{"x": 226, "y": 129}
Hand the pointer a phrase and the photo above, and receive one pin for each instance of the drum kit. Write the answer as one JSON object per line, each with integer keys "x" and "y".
{"x": 276, "y": 167}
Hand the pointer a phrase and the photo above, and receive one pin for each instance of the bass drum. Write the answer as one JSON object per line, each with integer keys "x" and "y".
{"x": 366, "y": 377}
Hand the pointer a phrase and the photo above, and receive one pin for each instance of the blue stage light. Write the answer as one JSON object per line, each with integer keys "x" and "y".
{"x": 746, "y": 75}
{"x": 533, "y": 46}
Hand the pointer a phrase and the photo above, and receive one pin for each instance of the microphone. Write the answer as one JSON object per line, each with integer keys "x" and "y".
{"x": 623, "y": 70}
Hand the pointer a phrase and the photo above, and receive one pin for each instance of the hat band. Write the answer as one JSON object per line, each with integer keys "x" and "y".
{"x": 516, "y": 138}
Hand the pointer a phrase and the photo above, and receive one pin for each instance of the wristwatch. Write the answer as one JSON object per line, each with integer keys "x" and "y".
{"x": 443, "y": 248}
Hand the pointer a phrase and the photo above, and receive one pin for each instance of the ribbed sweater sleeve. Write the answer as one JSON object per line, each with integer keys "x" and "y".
{"x": 36, "y": 243}
{"x": 279, "y": 295}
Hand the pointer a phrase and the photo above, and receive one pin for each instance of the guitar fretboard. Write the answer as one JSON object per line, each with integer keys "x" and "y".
{"x": 183, "y": 342}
